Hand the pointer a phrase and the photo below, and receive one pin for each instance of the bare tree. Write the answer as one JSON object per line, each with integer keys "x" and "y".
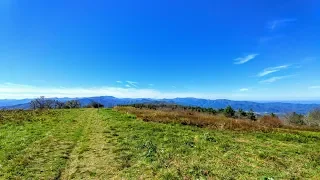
{"x": 49, "y": 103}
{"x": 33, "y": 105}
{"x": 294, "y": 118}
{"x": 59, "y": 104}
{"x": 72, "y": 104}
{"x": 313, "y": 117}
{"x": 42, "y": 103}
{"x": 38, "y": 103}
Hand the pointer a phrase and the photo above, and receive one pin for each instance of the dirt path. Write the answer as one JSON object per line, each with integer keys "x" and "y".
{"x": 92, "y": 157}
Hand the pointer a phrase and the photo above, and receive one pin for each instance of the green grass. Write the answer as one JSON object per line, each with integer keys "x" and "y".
{"x": 38, "y": 148}
{"x": 87, "y": 144}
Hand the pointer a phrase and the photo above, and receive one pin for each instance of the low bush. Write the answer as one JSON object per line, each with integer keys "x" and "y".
{"x": 271, "y": 121}
{"x": 241, "y": 114}
{"x": 94, "y": 104}
{"x": 229, "y": 112}
{"x": 251, "y": 115}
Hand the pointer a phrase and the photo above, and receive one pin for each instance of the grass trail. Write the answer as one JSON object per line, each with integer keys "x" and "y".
{"x": 92, "y": 157}
{"x": 68, "y": 145}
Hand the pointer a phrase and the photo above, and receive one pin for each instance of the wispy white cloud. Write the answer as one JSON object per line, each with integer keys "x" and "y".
{"x": 314, "y": 87}
{"x": 272, "y": 25}
{"x": 244, "y": 89}
{"x": 132, "y": 83}
{"x": 270, "y": 70}
{"x": 242, "y": 60}
{"x": 18, "y": 91}
{"x": 120, "y": 82}
{"x": 127, "y": 85}
{"x": 274, "y": 79}
{"x": 14, "y": 87}
{"x": 151, "y": 84}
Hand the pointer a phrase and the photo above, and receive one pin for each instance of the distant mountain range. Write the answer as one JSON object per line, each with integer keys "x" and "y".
{"x": 109, "y": 101}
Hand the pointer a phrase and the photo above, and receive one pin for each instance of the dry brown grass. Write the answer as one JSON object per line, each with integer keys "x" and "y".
{"x": 200, "y": 119}
{"x": 270, "y": 121}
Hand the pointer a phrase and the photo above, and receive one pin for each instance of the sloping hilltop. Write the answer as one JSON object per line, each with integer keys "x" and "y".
{"x": 105, "y": 144}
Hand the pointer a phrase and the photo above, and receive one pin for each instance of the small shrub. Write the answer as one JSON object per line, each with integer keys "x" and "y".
{"x": 94, "y": 104}
{"x": 251, "y": 115}
{"x": 271, "y": 121}
{"x": 273, "y": 115}
{"x": 240, "y": 113}
{"x": 207, "y": 137}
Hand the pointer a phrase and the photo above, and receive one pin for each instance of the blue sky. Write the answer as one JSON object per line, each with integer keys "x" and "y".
{"x": 248, "y": 50}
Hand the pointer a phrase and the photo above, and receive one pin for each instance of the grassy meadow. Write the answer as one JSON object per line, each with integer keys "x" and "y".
{"x": 109, "y": 144}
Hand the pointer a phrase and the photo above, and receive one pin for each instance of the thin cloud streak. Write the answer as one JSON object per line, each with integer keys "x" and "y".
{"x": 270, "y": 70}
{"x": 120, "y": 82}
{"x": 242, "y": 60}
{"x": 274, "y": 79}
{"x": 244, "y": 89}
{"x": 272, "y": 25}
{"x": 16, "y": 91}
{"x": 314, "y": 87}
{"x": 132, "y": 83}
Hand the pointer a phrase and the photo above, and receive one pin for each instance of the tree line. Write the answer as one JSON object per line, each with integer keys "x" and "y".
{"x": 228, "y": 111}
{"x": 43, "y": 103}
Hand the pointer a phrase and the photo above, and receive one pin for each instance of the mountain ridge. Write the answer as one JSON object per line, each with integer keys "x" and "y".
{"x": 110, "y": 101}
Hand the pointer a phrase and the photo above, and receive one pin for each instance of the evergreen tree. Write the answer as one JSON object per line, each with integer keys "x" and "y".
{"x": 229, "y": 112}
{"x": 251, "y": 115}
